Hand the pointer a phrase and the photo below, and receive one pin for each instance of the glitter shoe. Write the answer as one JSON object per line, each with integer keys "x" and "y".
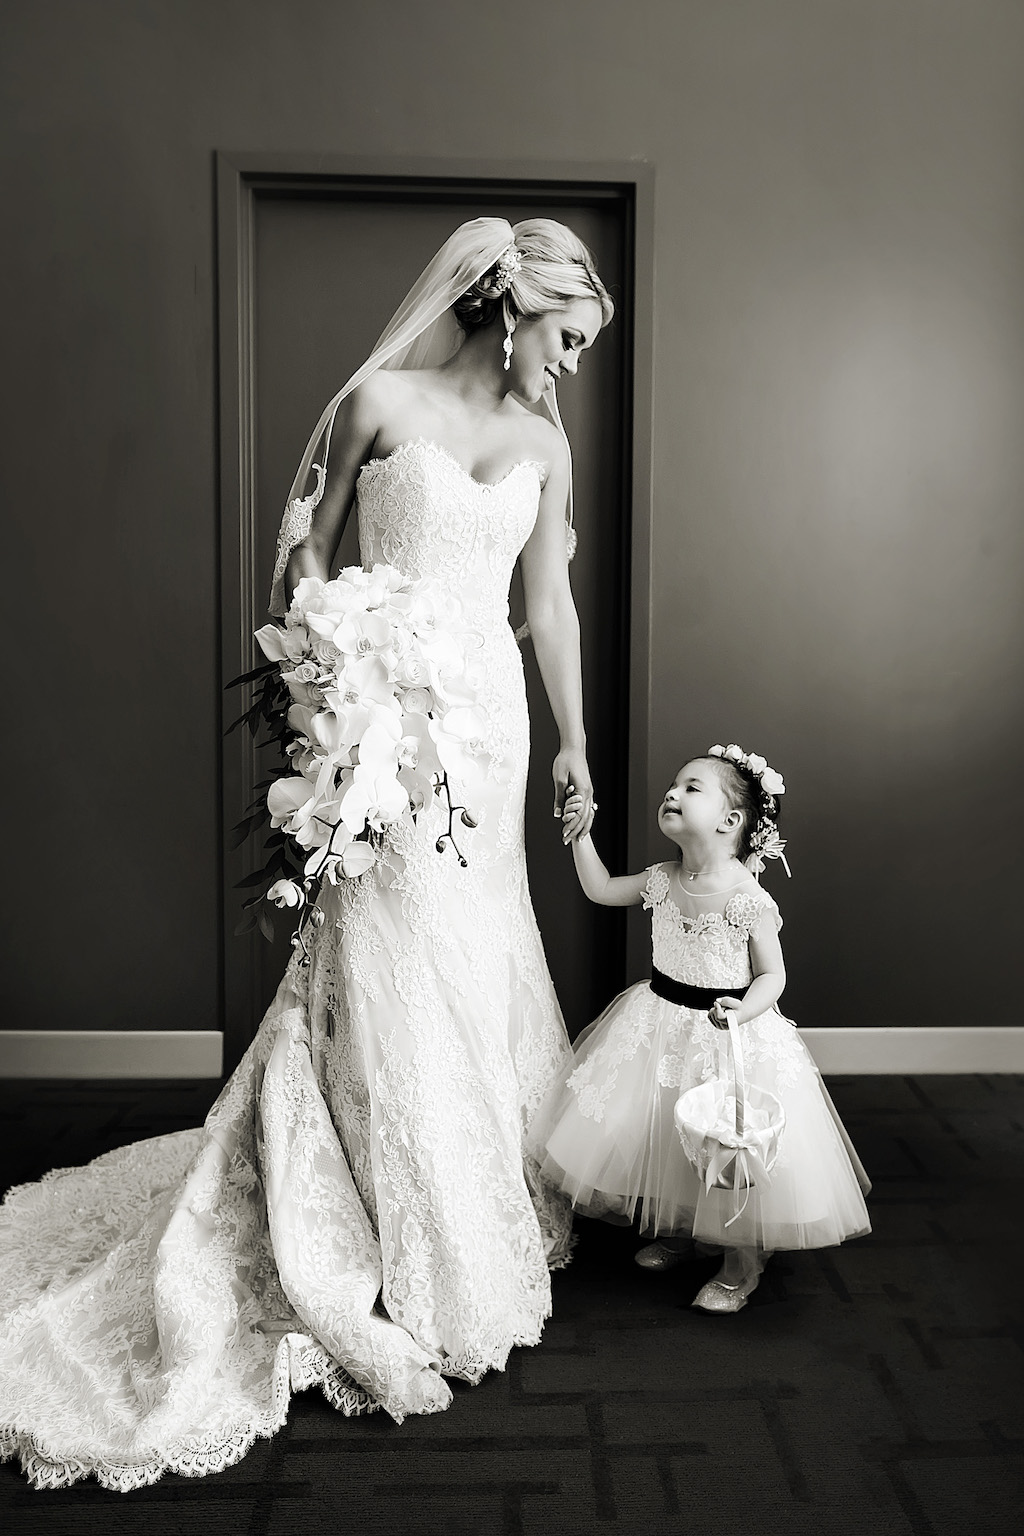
{"x": 716, "y": 1296}
{"x": 657, "y": 1256}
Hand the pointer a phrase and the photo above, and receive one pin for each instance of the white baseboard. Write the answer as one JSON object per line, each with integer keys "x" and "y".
{"x": 99, "y": 1053}
{"x": 907, "y": 1051}
{"x": 111, "y": 1053}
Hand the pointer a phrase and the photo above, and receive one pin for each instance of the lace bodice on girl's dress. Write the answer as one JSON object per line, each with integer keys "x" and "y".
{"x": 357, "y": 1212}
{"x": 709, "y": 947}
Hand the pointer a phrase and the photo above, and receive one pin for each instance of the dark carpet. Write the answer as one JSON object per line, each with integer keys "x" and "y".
{"x": 873, "y": 1389}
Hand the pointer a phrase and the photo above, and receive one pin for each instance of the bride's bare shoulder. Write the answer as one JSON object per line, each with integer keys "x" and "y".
{"x": 537, "y": 435}
{"x": 383, "y": 387}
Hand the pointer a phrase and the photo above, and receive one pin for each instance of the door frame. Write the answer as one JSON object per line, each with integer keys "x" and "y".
{"x": 241, "y": 179}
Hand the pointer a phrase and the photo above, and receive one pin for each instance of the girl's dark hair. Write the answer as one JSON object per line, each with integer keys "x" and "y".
{"x": 743, "y": 792}
{"x": 555, "y": 268}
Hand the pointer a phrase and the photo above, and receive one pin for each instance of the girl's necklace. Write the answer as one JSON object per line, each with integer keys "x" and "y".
{"x": 697, "y": 873}
{"x": 700, "y": 874}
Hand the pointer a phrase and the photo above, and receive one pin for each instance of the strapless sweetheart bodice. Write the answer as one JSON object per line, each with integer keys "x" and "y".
{"x": 421, "y": 511}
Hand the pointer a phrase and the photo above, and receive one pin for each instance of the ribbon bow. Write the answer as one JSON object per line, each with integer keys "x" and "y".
{"x": 771, "y": 848}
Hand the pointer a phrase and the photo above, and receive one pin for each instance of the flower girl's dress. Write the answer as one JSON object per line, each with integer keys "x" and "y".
{"x": 357, "y": 1212}
{"x": 606, "y": 1134}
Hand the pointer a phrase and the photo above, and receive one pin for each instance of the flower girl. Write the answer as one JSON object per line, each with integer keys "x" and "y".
{"x": 606, "y": 1134}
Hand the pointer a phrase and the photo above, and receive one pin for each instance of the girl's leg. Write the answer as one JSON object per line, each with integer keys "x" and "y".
{"x": 735, "y": 1281}
{"x": 742, "y": 1265}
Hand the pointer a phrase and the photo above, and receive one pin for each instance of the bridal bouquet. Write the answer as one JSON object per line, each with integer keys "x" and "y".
{"x": 380, "y": 708}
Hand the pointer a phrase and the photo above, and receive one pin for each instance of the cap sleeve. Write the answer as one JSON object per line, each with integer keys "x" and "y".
{"x": 656, "y": 889}
{"x": 746, "y": 909}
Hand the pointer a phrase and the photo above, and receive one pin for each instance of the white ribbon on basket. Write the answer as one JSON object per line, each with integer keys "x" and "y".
{"x": 747, "y": 1139}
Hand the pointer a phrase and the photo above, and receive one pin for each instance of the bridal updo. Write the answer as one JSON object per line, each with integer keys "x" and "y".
{"x": 554, "y": 268}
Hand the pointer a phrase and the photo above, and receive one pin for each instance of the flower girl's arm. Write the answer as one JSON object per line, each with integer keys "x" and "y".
{"x": 769, "y": 978}
{"x": 607, "y": 890}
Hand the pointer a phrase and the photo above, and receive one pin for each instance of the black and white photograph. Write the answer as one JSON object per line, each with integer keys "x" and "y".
{"x": 516, "y": 528}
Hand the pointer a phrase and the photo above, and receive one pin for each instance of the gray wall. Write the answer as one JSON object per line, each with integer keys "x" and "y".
{"x": 838, "y": 455}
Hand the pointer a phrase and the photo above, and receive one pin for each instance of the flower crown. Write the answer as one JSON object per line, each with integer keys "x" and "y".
{"x": 765, "y": 842}
{"x": 771, "y": 782}
{"x": 506, "y": 267}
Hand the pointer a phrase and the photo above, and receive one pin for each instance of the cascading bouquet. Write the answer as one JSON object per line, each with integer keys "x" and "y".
{"x": 370, "y": 688}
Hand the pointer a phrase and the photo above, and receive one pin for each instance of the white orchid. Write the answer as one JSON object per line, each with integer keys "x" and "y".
{"x": 286, "y": 798}
{"x": 362, "y": 633}
{"x": 458, "y": 738}
{"x": 384, "y": 680}
{"x": 357, "y": 859}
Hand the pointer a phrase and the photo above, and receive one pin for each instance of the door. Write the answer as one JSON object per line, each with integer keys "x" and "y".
{"x": 329, "y": 265}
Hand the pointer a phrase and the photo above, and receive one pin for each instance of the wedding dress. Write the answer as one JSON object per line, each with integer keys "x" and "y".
{"x": 356, "y": 1212}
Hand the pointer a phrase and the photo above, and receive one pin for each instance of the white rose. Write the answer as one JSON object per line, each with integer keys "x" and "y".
{"x": 305, "y": 672}
{"x": 412, "y": 671}
{"x": 757, "y": 765}
{"x": 417, "y": 701}
{"x": 327, "y": 652}
{"x": 734, "y": 753}
{"x": 772, "y": 782}
{"x": 716, "y": 751}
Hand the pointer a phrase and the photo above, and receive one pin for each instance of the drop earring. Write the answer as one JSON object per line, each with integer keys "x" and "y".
{"x": 506, "y": 345}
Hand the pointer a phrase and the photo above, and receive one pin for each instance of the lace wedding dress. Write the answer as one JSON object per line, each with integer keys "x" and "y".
{"x": 356, "y": 1212}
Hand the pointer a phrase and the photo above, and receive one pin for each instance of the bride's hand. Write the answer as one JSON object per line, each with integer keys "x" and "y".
{"x": 571, "y": 775}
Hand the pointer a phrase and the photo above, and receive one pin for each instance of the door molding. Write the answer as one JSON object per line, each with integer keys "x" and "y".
{"x": 241, "y": 180}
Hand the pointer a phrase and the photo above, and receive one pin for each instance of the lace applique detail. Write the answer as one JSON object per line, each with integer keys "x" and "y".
{"x": 657, "y": 887}
{"x": 295, "y": 525}
{"x": 594, "y": 1080}
{"x": 370, "y": 1144}
{"x": 745, "y": 910}
{"x": 710, "y": 950}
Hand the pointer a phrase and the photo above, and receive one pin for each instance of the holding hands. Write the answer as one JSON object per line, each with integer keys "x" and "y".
{"x": 574, "y": 795}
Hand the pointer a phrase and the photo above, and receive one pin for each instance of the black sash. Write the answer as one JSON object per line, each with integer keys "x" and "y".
{"x": 682, "y": 994}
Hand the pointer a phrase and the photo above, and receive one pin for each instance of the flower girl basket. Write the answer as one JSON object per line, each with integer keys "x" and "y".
{"x": 730, "y": 1130}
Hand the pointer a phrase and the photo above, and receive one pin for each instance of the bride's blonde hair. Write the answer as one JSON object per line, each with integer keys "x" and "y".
{"x": 552, "y": 268}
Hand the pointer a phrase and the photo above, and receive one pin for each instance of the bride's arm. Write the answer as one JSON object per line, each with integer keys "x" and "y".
{"x": 352, "y": 439}
{"x": 555, "y": 628}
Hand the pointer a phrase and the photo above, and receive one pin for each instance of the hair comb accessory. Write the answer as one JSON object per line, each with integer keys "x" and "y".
{"x": 505, "y": 268}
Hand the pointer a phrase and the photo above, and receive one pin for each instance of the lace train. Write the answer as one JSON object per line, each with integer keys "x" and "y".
{"x": 357, "y": 1212}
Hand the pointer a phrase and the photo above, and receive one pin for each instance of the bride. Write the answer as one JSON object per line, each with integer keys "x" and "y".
{"x": 357, "y": 1212}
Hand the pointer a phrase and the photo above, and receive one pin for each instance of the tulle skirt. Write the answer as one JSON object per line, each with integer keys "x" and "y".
{"x": 605, "y": 1134}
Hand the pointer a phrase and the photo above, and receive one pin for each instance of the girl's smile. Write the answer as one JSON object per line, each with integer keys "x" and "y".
{"x": 694, "y": 801}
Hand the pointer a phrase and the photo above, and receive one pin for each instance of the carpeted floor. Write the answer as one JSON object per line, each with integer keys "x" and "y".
{"x": 874, "y": 1390}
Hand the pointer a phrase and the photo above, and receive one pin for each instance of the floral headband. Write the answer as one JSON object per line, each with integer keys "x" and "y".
{"x": 765, "y": 842}
{"x": 506, "y": 267}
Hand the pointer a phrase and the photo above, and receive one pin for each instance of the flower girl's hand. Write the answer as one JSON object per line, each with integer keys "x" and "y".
{"x": 724, "y": 1005}
{"x": 572, "y": 777}
{"x": 571, "y": 810}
